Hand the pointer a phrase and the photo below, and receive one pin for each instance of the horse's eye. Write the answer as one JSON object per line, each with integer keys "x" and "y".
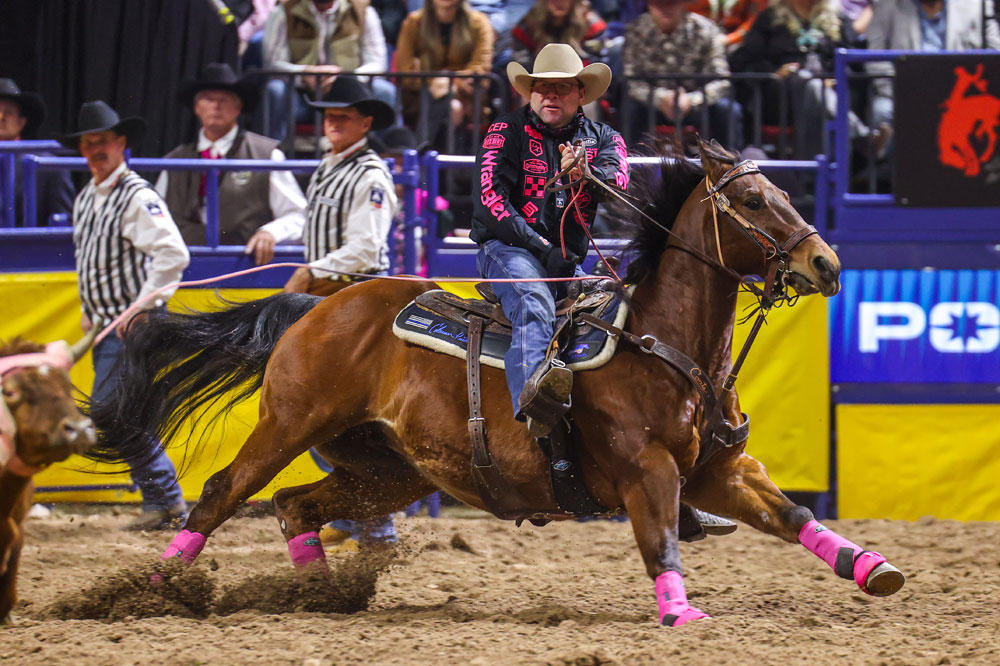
{"x": 753, "y": 203}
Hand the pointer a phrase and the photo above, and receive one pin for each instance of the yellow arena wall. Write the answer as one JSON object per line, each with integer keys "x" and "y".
{"x": 784, "y": 387}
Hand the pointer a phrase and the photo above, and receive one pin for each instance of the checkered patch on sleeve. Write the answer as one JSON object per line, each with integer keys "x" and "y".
{"x": 534, "y": 186}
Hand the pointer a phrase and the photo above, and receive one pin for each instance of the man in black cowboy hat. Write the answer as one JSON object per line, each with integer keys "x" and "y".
{"x": 20, "y": 115}
{"x": 351, "y": 198}
{"x": 352, "y": 202}
{"x": 127, "y": 248}
{"x": 258, "y": 209}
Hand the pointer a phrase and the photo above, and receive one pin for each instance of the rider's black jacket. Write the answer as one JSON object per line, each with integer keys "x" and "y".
{"x": 518, "y": 155}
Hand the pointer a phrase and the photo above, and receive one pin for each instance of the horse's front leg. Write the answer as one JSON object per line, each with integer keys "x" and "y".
{"x": 738, "y": 486}
{"x": 652, "y": 498}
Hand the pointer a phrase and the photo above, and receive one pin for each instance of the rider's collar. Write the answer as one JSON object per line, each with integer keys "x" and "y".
{"x": 570, "y": 127}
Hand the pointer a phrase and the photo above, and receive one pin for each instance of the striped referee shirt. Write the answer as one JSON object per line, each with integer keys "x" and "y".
{"x": 127, "y": 245}
{"x": 351, "y": 201}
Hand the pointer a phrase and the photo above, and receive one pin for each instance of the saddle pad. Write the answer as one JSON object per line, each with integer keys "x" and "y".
{"x": 587, "y": 350}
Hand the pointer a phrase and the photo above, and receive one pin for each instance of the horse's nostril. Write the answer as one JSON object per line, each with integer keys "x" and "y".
{"x": 824, "y": 268}
{"x": 80, "y": 428}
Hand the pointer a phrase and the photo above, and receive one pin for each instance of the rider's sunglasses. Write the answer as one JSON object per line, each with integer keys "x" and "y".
{"x": 560, "y": 87}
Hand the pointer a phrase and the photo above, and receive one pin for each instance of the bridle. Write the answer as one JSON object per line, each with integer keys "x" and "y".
{"x": 56, "y": 354}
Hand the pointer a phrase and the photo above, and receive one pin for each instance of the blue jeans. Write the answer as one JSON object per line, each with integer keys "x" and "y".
{"x": 530, "y": 306}
{"x": 276, "y": 104}
{"x": 157, "y": 479}
{"x": 382, "y": 530}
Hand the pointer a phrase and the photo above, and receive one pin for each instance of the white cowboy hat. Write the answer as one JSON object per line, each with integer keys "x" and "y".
{"x": 560, "y": 61}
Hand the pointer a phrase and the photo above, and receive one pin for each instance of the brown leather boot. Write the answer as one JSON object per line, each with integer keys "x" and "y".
{"x": 545, "y": 397}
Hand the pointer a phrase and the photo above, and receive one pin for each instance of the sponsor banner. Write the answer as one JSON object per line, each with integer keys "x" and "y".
{"x": 947, "y": 114}
{"x": 908, "y": 326}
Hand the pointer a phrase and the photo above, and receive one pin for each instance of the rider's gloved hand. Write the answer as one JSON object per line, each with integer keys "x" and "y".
{"x": 556, "y": 266}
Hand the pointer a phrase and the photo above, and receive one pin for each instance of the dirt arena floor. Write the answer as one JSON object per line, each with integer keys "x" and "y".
{"x": 466, "y": 590}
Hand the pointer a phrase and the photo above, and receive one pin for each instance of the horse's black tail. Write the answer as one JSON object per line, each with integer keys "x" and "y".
{"x": 175, "y": 366}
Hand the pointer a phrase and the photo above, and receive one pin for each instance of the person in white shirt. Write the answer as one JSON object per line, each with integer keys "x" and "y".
{"x": 324, "y": 37}
{"x": 351, "y": 197}
{"x": 258, "y": 209}
{"x": 127, "y": 247}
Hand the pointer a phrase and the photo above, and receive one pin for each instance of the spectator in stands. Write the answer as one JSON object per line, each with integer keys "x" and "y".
{"x": 251, "y": 31}
{"x": 670, "y": 40}
{"x": 796, "y": 40}
{"x": 20, "y": 115}
{"x": 503, "y": 14}
{"x": 859, "y": 13}
{"x": 258, "y": 209}
{"x": 127, "y": 248}
{"x": 447, "y": 35}
{"x": 734, "y": 17}
{"x": 955, "y": 25}
{"x": 325, "y": 38}
{"x": 570, "y": 22}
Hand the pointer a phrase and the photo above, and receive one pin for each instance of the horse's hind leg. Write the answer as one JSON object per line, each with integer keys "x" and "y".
{"x": 740, "y": 487}
{"x": 384, "y": 484}
{"x": 651, "y": 498}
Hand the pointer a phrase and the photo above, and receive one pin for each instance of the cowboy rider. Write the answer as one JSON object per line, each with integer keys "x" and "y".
{"x": 519, "y": 228}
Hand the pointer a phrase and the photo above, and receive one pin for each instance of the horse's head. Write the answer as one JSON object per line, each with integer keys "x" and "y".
{"x": 41, "y": 421}
{"x": 758, "y": 228}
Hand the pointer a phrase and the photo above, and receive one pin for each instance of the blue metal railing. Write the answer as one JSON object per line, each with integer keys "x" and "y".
{"x": 9, "y": 151}
{"x": 407, "y": 177}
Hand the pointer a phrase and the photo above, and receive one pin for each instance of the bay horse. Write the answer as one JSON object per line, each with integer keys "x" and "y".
{"x": 40, "y": 424}
{"x": 391, "y": 417}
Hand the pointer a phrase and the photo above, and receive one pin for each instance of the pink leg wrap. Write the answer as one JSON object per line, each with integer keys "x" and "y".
{"x": 848, "y": 560}
{"x": 305, "y": 549}
{"x": 672, "y": 600}
{"x": 186, "y": 546}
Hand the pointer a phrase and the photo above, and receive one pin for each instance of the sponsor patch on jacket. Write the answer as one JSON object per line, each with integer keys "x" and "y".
{"x": 591, "y": 155}
{"x": 535, "y": 147}
{"x": 154, "y": 209}
{"x": 241, "y": 178}
{"x": 588, "y": 141}
{"x": 498, "y": 127}
{"x": 529, "y": 209}
{"x": 532, "y": 132}
{"x": 535, "y": 166}
{"x": 494, "y": 141}
{"x": 534, "y": 186}
{"x": 376, "y": 197}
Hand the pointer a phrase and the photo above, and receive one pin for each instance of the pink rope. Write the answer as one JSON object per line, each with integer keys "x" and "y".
{"x": 290, "y": 264}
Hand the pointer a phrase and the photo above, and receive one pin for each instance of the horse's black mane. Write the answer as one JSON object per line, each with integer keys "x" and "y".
{"x": 663, "y": 189}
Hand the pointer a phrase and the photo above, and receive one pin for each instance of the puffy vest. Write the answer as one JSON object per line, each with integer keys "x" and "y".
{"x": 244, "y": 204}
{"x": 344, "y": 45}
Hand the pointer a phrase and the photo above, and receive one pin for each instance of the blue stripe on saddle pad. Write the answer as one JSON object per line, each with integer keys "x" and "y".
{"x": 586, "y": 350}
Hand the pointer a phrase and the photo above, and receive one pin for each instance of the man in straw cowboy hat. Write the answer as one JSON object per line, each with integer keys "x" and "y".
{"x": 20, "y": 115}
{"x": 517, "y": 223}
{"x": 127, "y": 247}
{"x": 258, "y": 209}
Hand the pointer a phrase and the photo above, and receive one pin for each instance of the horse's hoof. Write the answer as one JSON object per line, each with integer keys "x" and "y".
{"x": 688, "y": 614}
{"x": 884, "y": 580}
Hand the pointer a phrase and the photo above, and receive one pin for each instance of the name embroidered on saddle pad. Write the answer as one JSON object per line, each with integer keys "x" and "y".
{"x": 588, "y": 348}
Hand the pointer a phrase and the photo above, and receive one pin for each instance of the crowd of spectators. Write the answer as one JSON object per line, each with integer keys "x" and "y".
{"x": 724, "y": 68}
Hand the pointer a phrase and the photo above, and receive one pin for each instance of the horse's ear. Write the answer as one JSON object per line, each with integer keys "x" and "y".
{"x": 712, "y": 166}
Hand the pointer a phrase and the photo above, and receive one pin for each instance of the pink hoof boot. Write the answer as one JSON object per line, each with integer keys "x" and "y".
{"x": 672, "y": 600}
{"x": 872, "y": 573}
{"x": 306, "y": 549}
{"x": 186, "y": 546}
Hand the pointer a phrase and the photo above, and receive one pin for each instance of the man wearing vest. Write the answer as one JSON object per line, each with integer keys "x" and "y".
{"x": 258, "y": 209}
{"x": 324, "y": 37}
{"x": 351, "y": 197}
{"x": 127, "y": 247}
{"x": 352, "y": 202}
